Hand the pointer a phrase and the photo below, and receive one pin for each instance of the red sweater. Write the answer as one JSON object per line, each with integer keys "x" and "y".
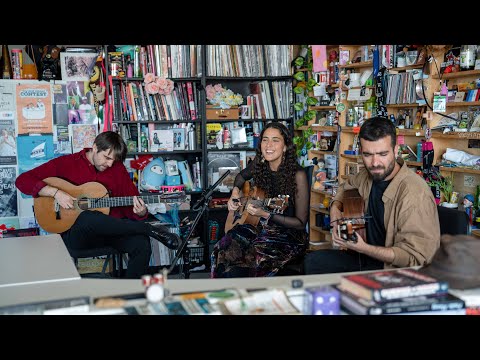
{"x": 77, "y": 169}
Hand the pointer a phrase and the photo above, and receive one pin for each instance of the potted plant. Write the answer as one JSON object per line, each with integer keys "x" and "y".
{"x": 444, "y": 184}
{"x": 303, "y": 88}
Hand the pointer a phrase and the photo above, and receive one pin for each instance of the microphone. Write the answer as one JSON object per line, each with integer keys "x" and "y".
{"x": 209, "y": 191}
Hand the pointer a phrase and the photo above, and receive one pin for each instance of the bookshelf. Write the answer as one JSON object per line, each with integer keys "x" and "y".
{"x": 265, "y": 87}
{"x": 235, "y": 68}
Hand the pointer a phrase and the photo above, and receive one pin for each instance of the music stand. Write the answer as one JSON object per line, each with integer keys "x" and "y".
{"x": 200, "y": 206}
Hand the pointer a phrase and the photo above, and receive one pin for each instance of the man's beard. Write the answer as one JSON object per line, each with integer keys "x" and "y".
{"x": 385, "y": 174}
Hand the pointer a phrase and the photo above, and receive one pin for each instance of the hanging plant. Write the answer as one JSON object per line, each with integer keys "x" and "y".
{"x": 304, "y": 88}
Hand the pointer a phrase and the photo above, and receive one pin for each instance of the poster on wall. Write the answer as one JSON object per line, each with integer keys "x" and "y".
{"x": 34, "y": 109}
{"x": 8, "y": 145}
{"x": 9, "y": 223}
{"x": 8, "y": 192}
{"x": 82, "y": 136}
{"x": 33, "y": 151}
{"x": 7, "y": 95}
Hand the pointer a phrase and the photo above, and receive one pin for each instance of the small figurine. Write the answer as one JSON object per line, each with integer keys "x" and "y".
{"x": 320, "y": 176}
{"x": 468, "y": 205}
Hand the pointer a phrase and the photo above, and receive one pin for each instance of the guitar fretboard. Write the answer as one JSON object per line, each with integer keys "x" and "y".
{"x": 94, "y": 203}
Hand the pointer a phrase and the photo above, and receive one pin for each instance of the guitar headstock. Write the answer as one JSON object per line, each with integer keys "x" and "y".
{"x": 278, "y": 204}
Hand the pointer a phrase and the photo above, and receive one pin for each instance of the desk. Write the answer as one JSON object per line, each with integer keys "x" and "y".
{"x": 94, "y": 288}
{"x": 34, "y": 259}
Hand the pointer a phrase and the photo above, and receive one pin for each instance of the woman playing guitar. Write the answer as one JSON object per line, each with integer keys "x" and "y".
{"x": 248, "y": 250}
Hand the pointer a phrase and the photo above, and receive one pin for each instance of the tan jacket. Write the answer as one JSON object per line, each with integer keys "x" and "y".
{"x": 411, "y": 216}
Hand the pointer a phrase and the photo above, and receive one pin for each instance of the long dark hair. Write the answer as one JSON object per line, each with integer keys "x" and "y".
{"x": 262, "y": 174}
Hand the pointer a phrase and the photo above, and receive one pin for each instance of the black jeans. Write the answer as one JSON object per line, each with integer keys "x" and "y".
{"x": 94, "y": 229}
{"x": 335, "y": 261}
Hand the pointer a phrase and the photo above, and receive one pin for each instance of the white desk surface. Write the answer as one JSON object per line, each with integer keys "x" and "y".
{"x": 34, "y": 259}
{"x": 93, "y": 288}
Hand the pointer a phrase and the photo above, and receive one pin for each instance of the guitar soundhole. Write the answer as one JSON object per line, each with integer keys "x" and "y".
{"x": 82, "y": 203}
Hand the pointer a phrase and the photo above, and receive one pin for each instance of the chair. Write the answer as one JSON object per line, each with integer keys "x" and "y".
{"x": 111, "y": 253}
{"x": 453, "y": 221}
{"x": 295, "y": 267}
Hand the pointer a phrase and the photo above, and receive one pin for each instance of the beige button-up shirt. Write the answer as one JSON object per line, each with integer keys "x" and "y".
{"x": 411, "y": 216}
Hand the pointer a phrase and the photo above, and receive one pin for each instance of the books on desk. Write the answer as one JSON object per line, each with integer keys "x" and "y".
{"x": 400, "y": 291}
{"x": 423, "y": 303}
{"x": 390, "y": 285}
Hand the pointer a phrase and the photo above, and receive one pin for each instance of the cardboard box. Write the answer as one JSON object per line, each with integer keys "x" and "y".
{"x": 215, "y": 113}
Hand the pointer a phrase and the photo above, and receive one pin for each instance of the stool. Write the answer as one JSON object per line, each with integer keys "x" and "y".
{"x": 112, "y": 253}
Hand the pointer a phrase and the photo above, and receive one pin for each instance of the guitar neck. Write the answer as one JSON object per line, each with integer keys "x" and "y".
{"x": 94, "y": 203}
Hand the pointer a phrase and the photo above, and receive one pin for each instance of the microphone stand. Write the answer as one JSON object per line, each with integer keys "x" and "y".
{"x": 200, "y": 206}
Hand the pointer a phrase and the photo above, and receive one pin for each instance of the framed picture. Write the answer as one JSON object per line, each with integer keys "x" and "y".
{"x": 77, "y": 66}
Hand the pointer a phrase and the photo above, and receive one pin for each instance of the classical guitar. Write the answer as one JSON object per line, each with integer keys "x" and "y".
{"x": 276, "y": 205}
{"x": 353, "y": 220}
{"x": 92, "y": 195}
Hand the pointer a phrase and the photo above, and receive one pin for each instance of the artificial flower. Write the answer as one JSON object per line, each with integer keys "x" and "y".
{"x": 157, "y": 85}
{"x": 224, "y": 98}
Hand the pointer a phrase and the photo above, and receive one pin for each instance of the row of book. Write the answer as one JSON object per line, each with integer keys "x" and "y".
{"x": 261, "y": 104}
{"x": 133, "y": 103}
{"x": 168, "y": 61}
{"x": 156, "y": 137}
{"x": 400, "y": 291}
{"x": 249, "y": 60}
{"x": 400, "y": 88}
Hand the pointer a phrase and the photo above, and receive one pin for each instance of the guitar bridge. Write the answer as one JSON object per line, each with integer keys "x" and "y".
{"x": 57, "y": 210}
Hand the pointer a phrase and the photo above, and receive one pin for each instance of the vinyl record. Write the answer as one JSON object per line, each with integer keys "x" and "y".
{"x": 418, "y": 89}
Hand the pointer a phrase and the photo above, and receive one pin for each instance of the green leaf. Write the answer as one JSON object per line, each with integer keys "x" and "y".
{"x": 299, "y": 61}
{"x": 311, "y": 101}
{"x": 297, "y": 140}
{"x": 298, "y": 90}
{"x": 298, "y": 106}
{"x": 309, "y": 145}
{"x": 299, "y": 76}
{"x": 299, "y": 123}
{"x": 308, "y": 133}
{"x": 310, "y": 66}
{"x": 307, "y": 116}
{"x": 299, "y": 152}
{"x": 311, "y": 82}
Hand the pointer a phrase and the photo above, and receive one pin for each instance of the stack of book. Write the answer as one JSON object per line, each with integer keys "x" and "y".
{"x": 400, "y": 291}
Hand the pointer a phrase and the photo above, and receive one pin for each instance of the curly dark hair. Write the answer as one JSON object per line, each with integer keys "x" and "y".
{"x": 287, "y": 169}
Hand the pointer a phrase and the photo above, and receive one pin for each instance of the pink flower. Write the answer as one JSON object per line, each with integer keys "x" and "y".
{"x": 218, "y": 88}
{"x": 152, "y": 88}
{"x": 162, "y": 83}
{"x": 149, "y": 78}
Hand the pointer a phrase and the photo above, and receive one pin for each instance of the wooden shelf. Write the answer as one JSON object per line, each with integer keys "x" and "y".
{"x": 404, "y": 105}
{"x": 356, "y": 65}
{"x": 456, "y": 75}
{"x": 323, "y": 192}
{"x": 462, "y": 103}
{"x": 413, "y": 163}
{"x": 320, "y": 210}
{"x": 349, "y": 156}
{"x": 456, "y": 135}
{"x": 318, "y": 128}
{"x": 322, "y": 107}
{"x": 320, "y": 230}
{"x": 408, "y": 67}
{"x": 322, "y": 152}
{"x": 460, "y": 170}
{"x": 410, "y": 132}
{"x": 476, "y": 232}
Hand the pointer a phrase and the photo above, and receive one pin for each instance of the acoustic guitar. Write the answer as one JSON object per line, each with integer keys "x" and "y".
{"x": 276, "y": 205}
{"x": 92, "y": 195}
{"x": 354, "y": 219}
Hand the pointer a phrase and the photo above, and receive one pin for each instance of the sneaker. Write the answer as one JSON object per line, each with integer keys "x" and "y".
{"x": 162, "y": 234}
